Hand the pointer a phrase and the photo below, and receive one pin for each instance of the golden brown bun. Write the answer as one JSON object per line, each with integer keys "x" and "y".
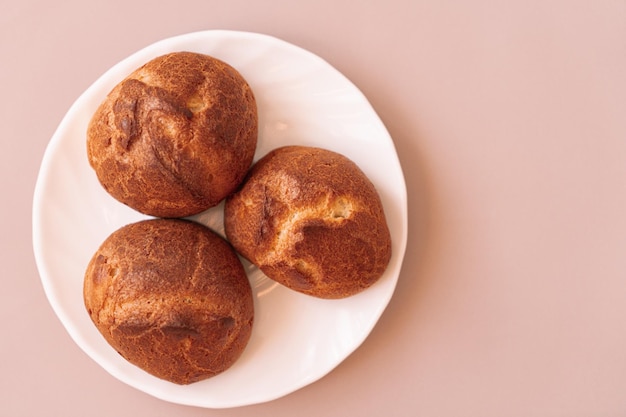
{"x": 311, "y": 220}
{"x": 176, "y": 136}
{"x": 171, "y": 297}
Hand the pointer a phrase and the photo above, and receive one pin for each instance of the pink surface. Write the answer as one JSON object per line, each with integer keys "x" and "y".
{"x": 510, "y": 123}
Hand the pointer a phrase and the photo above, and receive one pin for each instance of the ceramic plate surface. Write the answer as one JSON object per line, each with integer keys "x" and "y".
{"x": 296, "y": 339}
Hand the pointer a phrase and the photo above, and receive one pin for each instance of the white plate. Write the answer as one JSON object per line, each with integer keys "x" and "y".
{"x": 296, "y": 339}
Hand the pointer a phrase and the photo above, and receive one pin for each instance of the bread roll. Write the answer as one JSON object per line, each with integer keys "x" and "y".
{"x": 311, "y": 220}
{"x": 171, "y": 297}
{"x": 176, "y": 136}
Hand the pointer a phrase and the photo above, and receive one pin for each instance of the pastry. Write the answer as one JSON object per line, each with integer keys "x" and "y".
{"x": 171, "y": 297}
{"x": 176, "y": 136}
{"x": 311, "y": 220}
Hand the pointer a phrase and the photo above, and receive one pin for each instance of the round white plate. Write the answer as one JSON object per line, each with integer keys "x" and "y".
{"x": 296, "y": 339}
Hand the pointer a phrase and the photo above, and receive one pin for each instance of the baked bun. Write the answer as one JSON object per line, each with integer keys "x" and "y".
{"x": 311, "y": 220}
{"x": 176, "y": 136}
{"x": 171, "y": 297}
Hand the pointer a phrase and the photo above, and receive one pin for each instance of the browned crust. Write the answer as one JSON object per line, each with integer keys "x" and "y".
{"x": 310, "y": 219}
{"x": 176, "y": 136}
{"x": 171, "y": 297}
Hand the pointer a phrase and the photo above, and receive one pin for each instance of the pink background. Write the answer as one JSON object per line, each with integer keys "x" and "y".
{"x": 510, "y": 122}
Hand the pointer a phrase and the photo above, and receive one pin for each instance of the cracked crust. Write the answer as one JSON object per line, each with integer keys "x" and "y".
{"x": 311, "y": 220}
{"x": 171, "y": 297}
{"x": 176, "y": 136}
